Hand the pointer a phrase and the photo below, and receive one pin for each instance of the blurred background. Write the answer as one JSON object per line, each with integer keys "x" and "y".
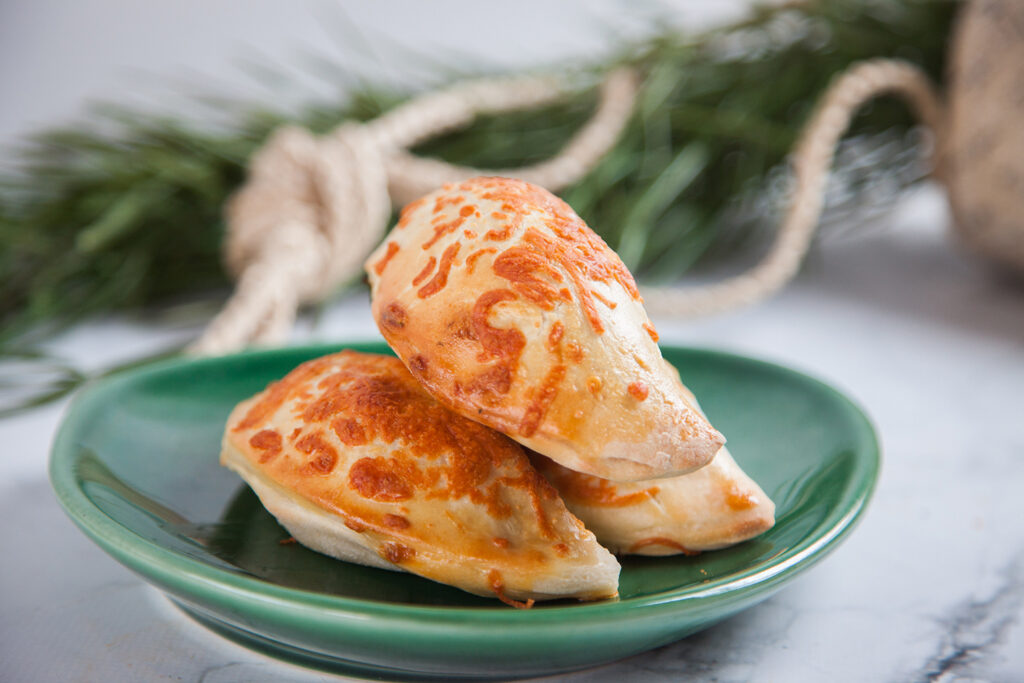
{"x": 128, "y": 126}
{"x": 57, "y": 57}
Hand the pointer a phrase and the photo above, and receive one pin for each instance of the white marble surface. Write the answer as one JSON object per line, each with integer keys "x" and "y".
{"x": 930, "y": 586}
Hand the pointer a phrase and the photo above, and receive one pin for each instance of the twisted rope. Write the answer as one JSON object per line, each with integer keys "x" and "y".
{"x": 313, "y": 208}
{"x": 811, "y": 160}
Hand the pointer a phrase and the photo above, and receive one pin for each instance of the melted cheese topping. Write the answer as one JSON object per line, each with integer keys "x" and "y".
{"x": 357, "y": 437}
{"x": 510, "y": 310}
{"x": 363, "y": 399}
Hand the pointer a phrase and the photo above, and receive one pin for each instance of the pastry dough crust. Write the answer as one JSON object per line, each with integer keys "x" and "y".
{"x": 512, "y": 312}
{"x": 358, "y": 462}
{"x": 714, "y": 507}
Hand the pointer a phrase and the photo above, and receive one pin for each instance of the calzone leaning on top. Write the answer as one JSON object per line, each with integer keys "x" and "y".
{"x": 512, "y": 312}
{"x": 358, "y": 462}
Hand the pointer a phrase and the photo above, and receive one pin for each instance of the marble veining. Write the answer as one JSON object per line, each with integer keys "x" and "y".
{"x": 975, "y": 628}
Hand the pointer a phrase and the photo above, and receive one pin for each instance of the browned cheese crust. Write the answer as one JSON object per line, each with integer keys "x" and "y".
{"x": 512, "y": 312}
{"x": 426, "y": 490}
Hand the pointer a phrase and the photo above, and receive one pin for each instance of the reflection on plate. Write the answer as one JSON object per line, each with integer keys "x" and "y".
{"x": 135, "y": 466}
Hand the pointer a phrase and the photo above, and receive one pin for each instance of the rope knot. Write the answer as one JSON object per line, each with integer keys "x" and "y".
{"x": 314, "y": 207}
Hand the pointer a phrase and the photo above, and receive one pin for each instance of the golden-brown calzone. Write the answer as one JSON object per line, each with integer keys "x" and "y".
{"x": 716, "y": 506}
{"x": 512, "y": 312}
{"x": 358, "y": 462}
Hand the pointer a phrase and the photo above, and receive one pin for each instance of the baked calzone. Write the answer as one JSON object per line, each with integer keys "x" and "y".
{"x": 512, "y": 312}
{"x": 717, "y": 506}
{"x": 714, "y": 507}
{"x": 358, "y": 462}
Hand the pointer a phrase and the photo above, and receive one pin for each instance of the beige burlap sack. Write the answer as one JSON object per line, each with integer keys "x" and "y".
{"x": 983, "y": 148}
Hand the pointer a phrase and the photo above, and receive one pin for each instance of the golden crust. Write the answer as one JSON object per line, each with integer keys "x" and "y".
{"x": 714, "y": 507}
{"x": 367, "y": 455}
{"x": 512, "y": 312}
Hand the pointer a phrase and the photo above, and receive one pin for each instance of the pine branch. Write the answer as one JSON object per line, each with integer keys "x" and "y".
{"x": 126, "y": 211}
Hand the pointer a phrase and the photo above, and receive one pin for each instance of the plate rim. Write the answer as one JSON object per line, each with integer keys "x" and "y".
{"x": 153, "y": 560}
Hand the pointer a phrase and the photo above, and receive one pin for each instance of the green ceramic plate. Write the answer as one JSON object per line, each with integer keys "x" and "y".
{"x": 135, "y": 466}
